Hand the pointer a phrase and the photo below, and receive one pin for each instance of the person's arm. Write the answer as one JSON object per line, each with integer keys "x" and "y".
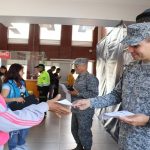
{"x": 113, "y": 98}
{"x": 5, "y": 92}
{"x": 101, "y": 101}
{"x": 29, "y": 116}
{"x": 21, "y": 119}
{"x": 110, "y": 99}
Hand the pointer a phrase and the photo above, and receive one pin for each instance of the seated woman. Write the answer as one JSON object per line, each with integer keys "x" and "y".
{"x": 25, "y": 118}
{"x": 14, "y": 89}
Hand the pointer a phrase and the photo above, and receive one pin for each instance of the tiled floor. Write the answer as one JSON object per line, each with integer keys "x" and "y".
{"x": 54, "y": 134}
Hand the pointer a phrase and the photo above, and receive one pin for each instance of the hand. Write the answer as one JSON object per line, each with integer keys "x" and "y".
{"x": 56, "y": 107}
{"x": 135, "y": 120}
{"x": 82, "y": 104}
{"x": 74, "y": 92}
{"x": 19, "y": 100}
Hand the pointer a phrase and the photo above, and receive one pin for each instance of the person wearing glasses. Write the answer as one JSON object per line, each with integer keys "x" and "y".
{"x": 85, "y": 86}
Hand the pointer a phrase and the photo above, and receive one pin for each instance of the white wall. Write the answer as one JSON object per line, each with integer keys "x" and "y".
{"x": 59, "y": 10}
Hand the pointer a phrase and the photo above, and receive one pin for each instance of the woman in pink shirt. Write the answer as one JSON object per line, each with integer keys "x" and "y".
{"x": 25, "y": 118}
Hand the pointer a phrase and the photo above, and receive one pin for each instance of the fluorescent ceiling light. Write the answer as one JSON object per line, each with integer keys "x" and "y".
{"x": 48, "y": 26}
{"x": 15, "y": 30}
{"x": 85, "y": 28}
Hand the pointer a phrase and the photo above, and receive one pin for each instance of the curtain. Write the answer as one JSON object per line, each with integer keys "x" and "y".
{"x": 111, "y": 58}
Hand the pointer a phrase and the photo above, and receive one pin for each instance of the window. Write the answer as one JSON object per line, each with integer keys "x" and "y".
{"x": 50, "y": 33}
{"x": 18, "y": 33}
{"x": 82, "y": 35}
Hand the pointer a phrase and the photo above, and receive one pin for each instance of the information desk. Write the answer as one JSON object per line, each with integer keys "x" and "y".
{"x": 31, "y": 86}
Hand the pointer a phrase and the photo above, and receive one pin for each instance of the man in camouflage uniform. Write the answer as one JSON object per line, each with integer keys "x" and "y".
{"x": 133, "y": 90}
{"x": 86, "y": 86}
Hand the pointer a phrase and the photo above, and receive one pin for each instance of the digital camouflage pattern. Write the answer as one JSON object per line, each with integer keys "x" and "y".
{"x": 79, "y": 61}
{"x": 133, "y": 90}
{"x": 136, "y": 33}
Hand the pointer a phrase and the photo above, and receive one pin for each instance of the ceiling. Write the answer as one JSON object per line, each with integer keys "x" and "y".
{"x": 68, "y": 12}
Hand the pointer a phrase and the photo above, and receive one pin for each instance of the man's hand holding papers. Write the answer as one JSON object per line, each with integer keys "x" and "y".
{"x": 116, "y": 114}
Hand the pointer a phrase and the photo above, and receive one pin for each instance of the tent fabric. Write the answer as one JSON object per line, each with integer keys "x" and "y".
{"x": 111, "y": 58}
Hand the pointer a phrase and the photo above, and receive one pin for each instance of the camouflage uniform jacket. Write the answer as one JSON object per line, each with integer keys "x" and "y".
{"x": 87, "y": 86}
{"x": 133, "y": 90}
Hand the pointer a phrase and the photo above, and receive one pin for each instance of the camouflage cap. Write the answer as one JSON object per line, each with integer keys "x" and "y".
{"x": 79, "y": 61}
{"x": 136, "y": 33}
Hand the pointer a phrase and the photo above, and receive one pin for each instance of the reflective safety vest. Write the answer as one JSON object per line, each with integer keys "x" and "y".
{"x": 43, "y": 79}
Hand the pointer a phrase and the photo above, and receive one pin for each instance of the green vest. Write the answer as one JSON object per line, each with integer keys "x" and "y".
{"x": 43, "y": 79}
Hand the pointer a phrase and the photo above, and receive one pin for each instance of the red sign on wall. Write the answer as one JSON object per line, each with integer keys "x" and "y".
{"x": 5, "y": 55}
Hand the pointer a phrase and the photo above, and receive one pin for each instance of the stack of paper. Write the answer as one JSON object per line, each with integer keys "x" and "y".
{"x": 116, "y": 114}
{"x": 65, "y": 102}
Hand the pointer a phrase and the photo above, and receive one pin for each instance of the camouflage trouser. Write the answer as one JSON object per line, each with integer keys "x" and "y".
{"x": 81, "y": 128}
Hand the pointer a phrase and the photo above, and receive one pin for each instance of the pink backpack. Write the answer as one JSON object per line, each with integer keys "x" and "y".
{"x": 3, "y": 135}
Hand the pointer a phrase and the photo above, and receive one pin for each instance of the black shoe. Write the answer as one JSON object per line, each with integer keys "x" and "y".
{"x": 79, "y": 147}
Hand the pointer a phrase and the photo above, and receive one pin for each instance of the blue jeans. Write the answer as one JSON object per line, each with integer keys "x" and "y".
{"x": 17, "y": 138}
